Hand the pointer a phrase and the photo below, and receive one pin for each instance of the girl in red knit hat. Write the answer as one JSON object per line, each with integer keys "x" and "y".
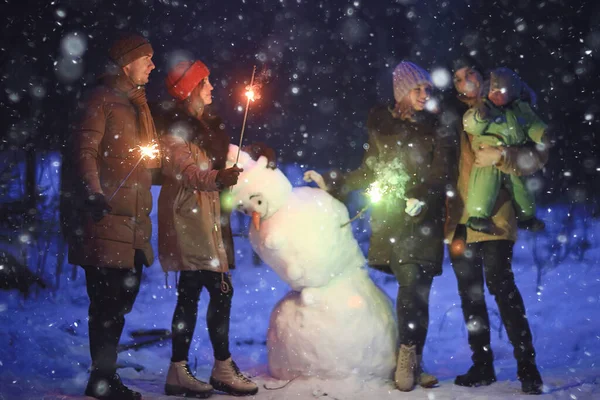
{"x": 194, "y": 236}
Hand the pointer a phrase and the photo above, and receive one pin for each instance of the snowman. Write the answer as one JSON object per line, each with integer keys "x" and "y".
{"x": 335, "y": 322}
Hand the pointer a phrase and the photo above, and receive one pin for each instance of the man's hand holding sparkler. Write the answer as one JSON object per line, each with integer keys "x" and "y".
{"x": 228, "y": 177}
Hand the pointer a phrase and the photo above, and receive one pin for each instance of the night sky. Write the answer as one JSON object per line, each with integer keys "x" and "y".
{"x": 327, "y": 64}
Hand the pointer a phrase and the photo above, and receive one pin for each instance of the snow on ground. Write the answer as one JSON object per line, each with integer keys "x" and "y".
{"x": 44, "y": 349}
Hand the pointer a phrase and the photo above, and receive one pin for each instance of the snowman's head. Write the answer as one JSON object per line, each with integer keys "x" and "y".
{"x": 260, "y": 191}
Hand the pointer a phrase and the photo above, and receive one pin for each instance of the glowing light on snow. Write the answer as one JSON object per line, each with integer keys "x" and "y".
{"x": 355, "y": 302}
{"x": 562, "y": 239}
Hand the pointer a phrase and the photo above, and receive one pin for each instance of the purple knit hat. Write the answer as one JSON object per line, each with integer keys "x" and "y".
{"x": 408, "y": 76}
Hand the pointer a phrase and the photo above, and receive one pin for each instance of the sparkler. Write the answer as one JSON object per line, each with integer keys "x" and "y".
{"x": 251, "y": 95}
{"x": 151, "y": 151}
{"x": 375, "y": 192}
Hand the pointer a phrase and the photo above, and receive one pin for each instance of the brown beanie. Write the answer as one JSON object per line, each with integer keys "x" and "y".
{"x": 129, "y": 48}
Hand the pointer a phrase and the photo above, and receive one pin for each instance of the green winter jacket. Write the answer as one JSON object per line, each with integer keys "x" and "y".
{"x": 512, "y": 125}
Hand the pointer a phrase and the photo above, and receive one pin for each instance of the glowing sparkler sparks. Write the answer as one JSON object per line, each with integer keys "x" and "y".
{"x": 376, "y": 191}
{"x": 151, "y": 152}
{"x": 250, "y": 94}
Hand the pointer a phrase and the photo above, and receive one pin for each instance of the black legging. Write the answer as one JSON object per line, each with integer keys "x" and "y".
{"x": 186, "y": 313}
{"x": 491, "y": 260}
{"x": 412, "y": 304}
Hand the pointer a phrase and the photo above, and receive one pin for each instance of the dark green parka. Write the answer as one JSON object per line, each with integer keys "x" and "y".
{"x": 406, "y": 159}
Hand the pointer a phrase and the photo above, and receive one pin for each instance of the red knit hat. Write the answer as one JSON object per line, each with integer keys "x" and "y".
{"x": 184, "y": 77}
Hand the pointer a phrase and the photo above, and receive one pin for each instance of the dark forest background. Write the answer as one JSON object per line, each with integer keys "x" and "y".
{"x": 328, "y": 63}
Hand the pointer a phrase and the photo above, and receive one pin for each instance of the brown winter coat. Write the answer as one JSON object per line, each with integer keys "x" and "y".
{"x": 101, "y": 142}
{"x": 192, "y": 232}
{"x": 521, "y": 161}
{"x": 189, "y": 210}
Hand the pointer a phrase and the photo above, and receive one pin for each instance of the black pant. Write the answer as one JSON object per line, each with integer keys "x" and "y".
{"x": 412, "y": 304}
{"x": 492, "y": 259}
{"x": 112, "y": 292}
{"x": 186, "y": 312}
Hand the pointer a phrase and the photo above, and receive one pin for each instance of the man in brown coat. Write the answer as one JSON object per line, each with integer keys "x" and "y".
{"x": 478, "y": 256}
{"x": 112, "y": 239}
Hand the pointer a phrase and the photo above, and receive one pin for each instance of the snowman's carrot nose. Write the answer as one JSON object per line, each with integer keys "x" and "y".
{"x": 256, "y": 220}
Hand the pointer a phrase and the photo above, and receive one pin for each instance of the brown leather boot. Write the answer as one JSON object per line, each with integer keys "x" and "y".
{"x": 423, "y": 378}
{"x": 406, "y": 368}
{"x": 181, "y": 382}
{"x": 226, "y": 377}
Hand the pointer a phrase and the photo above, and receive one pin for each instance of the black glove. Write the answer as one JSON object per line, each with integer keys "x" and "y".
{"x": 228, "y": 177}
{"x": 98, "y": 206}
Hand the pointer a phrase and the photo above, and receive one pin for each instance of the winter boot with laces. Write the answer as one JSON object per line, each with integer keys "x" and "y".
{"x": 181, "y": 382}
{"x": 480, "y": 374}
{"x": 406, "y": 368}
{"x": 423, "y": 378}
{"x": 226, "y": 377}
{"x": 528, "y": 374}
{"x": 109, "y": 388}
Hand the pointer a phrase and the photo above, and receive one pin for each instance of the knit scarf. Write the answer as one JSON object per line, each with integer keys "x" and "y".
{"x": 137, "y": 96}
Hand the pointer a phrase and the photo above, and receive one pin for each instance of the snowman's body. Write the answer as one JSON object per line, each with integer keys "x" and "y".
{"x": 335, "y": 322}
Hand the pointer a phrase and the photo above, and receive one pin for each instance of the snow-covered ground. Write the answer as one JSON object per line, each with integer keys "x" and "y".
{"x": 44, "y": 348}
